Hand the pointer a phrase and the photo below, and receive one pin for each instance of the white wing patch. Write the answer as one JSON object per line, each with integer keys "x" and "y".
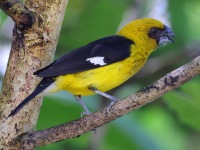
{"x": 96, "y": 60}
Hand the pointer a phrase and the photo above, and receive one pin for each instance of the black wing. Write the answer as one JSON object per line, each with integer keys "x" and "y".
{"x": 112, "y": 48}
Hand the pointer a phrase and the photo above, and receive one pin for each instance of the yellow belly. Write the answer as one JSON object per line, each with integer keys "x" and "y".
{"x": 103, "y": 78}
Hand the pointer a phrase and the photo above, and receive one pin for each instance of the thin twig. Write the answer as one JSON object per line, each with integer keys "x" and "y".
{"x": 76, "y": 128}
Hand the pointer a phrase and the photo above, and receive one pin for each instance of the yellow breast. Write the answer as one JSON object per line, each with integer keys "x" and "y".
{"x": 103, "y": 78}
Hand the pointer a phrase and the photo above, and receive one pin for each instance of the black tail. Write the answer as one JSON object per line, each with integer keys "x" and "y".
{"x": 44, "y": 83}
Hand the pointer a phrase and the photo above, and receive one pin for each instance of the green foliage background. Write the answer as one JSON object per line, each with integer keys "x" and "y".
{"x": 170, "y": 123}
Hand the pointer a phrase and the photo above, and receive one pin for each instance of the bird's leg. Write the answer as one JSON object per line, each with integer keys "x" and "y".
{"x": 110, "y": 97}
{"x": 86, "y": 110}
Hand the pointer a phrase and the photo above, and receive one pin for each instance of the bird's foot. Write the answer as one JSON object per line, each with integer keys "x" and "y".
{"x": 86, "y": 110}
{"x": 113, "y": 101}
{"x": 85, "y": 113}
{"x": 110, "y": 97}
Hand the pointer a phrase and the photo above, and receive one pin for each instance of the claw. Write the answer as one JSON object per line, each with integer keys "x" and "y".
{"x": 85, "y": 113}
{"x": 86, "y": 110}
{"x": 109, "y": 107}
{"x": 110, "y": 97}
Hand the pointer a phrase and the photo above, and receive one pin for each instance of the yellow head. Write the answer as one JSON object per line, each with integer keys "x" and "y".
{"x": 147, "y": 32}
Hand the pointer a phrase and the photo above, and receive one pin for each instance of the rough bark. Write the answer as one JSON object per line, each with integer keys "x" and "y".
{"x": 33, "y": 47}
{"x": 20, "y": 14}
{"x": 35, "y": 36}
{"x": 76, "y": 128}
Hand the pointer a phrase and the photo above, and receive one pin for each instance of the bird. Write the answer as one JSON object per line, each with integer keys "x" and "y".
{"x": 102, "y": 64}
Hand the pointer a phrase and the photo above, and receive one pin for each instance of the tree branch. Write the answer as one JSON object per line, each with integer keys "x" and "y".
{"x": 20, "y": 14}
{"x": 31, "y": 49}
{"x": 76, "y": 128}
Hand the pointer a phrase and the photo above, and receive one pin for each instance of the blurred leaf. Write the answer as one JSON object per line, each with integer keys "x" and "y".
{"x": 157, "y": 123}
{"x": 3, "y": 17}
{"x": 89, "y": 20}
{"x": 55, "y": 112}
{"x": 185, "y": 22}
{"x": 117, "y": 138}
{"x": 133, "y": 132}
{"x": 186, "y": 103}
{"x": 127, "y": 89}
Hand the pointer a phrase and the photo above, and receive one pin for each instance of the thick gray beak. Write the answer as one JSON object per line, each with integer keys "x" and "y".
{"x": 167, "y": 36}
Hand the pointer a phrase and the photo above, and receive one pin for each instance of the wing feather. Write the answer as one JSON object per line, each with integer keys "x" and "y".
{"x": 112, "y": 48}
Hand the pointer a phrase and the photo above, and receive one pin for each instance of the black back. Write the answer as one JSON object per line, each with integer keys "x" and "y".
{"x": 112, "y": 48}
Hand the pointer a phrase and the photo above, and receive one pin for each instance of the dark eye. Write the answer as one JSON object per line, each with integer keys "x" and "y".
{"x": 153, "y": 31}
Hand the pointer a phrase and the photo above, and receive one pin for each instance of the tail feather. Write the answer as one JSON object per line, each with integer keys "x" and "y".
{"x": 44, "y": 83}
